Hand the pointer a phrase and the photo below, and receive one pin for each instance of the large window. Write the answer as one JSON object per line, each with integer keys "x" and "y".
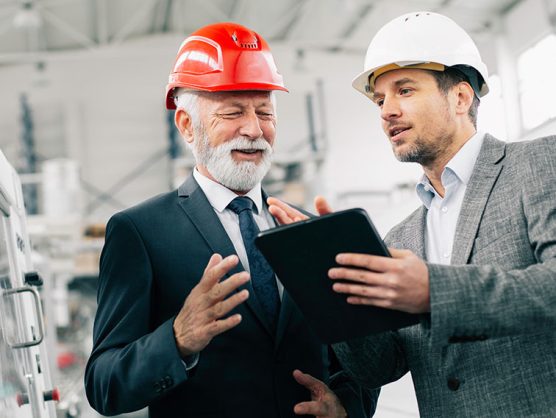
{"x": 491, "y": 117}
{"x": 537, "y": 82}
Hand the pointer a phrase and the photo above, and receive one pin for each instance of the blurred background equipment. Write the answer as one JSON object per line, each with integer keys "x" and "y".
{"x": 26, "y": 389}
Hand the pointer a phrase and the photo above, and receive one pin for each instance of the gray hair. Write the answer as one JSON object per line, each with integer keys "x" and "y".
{"x": 188, "y": 100}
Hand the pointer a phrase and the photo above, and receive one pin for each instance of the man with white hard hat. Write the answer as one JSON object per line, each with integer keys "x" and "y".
{"x": 477, "y": 261}
{"x": 192, "y": 322}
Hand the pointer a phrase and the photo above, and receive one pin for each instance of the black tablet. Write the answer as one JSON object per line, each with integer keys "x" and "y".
{"x": 301, "y": 255}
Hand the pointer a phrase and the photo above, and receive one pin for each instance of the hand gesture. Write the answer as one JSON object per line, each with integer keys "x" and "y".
{"x": 201, "y": 317}
{"x": 285, "y": 214}
{"x": 323, "y": 404}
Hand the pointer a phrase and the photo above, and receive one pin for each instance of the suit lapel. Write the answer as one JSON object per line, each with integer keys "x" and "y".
{"x": 198, "y": 209}
{"x": 417, "y": 225}
{"x": 478, "y": 190}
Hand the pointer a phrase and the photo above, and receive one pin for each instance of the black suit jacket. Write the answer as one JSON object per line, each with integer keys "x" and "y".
{"x": 154, "y": 254}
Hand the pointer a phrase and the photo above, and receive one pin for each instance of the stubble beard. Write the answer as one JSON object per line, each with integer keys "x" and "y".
{"x": 419, "y": 152}
{"x": 239, "y": 176}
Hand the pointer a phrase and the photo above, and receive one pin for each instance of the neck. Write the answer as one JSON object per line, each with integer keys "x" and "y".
{"x": 434, "y": 170}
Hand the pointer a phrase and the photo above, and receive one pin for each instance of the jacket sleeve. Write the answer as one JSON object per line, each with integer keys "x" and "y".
{"x": 373, "y": 361}
{"x": 358, "y": 400}
{"x": 472, "y": 302}
{"x": 131, "y": 364}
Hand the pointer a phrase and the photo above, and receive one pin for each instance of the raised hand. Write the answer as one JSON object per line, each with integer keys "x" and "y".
{"x": 201, "y": 317}
{"x": 285, "y": 214}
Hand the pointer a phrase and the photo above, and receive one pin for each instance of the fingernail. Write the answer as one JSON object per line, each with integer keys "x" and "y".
{"x": 339, "y": 258}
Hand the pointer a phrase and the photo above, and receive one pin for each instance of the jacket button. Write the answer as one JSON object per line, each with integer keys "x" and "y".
{"x": 453, "y": 384}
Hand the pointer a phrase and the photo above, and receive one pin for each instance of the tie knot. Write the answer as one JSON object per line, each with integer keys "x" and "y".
{"x": 239, "y": 204}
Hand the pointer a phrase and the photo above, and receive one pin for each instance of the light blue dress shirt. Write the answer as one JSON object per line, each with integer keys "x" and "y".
{"x": 443, "y": 212}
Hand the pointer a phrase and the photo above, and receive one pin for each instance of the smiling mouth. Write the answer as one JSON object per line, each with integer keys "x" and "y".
{"x": 248, "y": 151}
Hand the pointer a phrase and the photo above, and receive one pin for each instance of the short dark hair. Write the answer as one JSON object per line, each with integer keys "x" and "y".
{"x": 449, "y": 78}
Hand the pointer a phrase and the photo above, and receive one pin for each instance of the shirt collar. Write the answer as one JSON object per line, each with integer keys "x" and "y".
{"x": 220, "y": 196}
{"x": 463, "y": 162}
{"x": 461, "y": 165}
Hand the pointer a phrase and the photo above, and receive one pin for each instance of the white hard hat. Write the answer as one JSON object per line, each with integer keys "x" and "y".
{"x": 421, "y": 40}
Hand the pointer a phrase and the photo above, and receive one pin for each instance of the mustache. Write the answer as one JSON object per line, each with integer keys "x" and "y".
{"x": 244, "y": 144}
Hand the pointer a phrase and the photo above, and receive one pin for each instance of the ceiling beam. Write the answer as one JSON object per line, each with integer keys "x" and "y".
{"x": 288, "y": 20}
{"x": 140, "y": 15}
{"x": 66, "y": 28}
{"x": 181, "y": 11}
{"x": 238, "y": 9}
{"x": 214, "y": 11}
{"x": 357, "y": 18}
{"x": 100, "y": 9}
{"x": 167, "y": 14}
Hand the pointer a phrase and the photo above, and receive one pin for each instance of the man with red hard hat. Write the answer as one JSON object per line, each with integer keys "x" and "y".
{"x": 191, "y": 320}
{"x": 477, "y": 260}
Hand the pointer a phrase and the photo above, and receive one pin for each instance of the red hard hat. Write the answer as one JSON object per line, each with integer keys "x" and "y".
{"x": 223, "y": 57}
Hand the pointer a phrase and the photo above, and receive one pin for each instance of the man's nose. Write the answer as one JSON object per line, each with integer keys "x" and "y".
{"x": 251, "y": 126}
{"x": 390, "y": 109}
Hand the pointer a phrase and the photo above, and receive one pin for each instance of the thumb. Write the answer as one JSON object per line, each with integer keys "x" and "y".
{"x": 397, "y": 253}
{"x": 322, "y": 206}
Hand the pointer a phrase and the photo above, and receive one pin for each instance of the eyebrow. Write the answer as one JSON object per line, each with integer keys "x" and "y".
{"x": 403, "y": 81}
{"x": 397, "y": 84}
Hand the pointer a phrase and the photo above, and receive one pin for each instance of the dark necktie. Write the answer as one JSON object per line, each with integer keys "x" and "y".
{"x": 262, "y": 275}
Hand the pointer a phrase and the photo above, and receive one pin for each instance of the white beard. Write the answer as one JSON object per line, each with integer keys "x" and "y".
{"x": 238, "y": 176}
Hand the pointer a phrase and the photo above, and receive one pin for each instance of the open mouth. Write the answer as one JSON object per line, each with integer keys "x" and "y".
{"x": 397, "y": 130}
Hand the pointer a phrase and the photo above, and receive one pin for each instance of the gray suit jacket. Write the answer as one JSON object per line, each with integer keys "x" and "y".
{"x": 488, "y": 347}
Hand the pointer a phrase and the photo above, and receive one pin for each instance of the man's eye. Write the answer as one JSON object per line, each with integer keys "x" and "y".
{"x": 405, "y": 91}
{"x": 231, "y": 115}
{"x": 379, "y": 102}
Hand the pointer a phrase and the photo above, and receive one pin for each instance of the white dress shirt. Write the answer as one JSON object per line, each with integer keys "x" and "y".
{"x": 443, "y": 212}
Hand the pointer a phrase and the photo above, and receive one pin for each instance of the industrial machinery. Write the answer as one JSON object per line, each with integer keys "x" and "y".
{"x": 26, "y": 389}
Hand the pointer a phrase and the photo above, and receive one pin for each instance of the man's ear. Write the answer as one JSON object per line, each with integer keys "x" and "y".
{"x": 465, "y": 95}
{"x": 184, "y": 124}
